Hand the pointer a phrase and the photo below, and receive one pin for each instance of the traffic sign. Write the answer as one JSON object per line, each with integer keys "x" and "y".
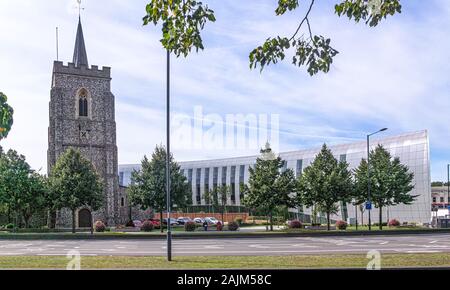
{"x": 368, "y": 205}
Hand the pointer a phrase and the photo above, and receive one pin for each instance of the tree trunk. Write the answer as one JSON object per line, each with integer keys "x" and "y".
{"x": 51, "y": 223}
{"x": 26, "y": 219}
{"x": 73, "y": 221}
{"x": 271, "y": 221}
{"x": 223, "y": 211}
{"x": 161, "y": 221}
{"x": 381, "y": 218}
{"x": 328, "y": 220}
{"x": 362, "y": 218}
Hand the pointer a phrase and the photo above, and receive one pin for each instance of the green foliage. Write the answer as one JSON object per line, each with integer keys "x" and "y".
{"x": 182, "y": 21}
{"x": 371, "y": 12}
{"x": 22, "y": 190}
{"x": 285, "y": 5}
{"x": 148, "y": 185}
{"x": 269, "y": 186}
{"x": 6, "y": 116}
{"x": 75, "y": 183}
{"x": 390, "y": 181}
{"x": 325, "y": 183}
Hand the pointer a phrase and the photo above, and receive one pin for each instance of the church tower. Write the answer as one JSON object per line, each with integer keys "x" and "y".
{"x": 82, "y": 117}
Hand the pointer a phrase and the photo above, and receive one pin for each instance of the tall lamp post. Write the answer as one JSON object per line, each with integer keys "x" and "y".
{"x": 169, "y": 233}
{"x": 448, "y": 186}
{"x": 369, "y": 202}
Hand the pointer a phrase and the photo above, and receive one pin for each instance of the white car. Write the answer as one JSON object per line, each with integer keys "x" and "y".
{"x": 198, "y": 220}
{"x": 211, "y": 220}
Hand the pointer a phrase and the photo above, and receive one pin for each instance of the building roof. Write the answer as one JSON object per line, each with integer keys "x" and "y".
{"x": 79, "y": 54}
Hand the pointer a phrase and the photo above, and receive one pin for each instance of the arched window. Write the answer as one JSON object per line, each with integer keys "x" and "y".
{"x": 83, "y": 104}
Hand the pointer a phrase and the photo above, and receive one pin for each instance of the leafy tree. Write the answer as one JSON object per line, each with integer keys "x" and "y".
{"x": 269, "y": 186}
{"x": 148, "y": 185}
{"x": 325, "y": 183}
{"x": 75, "y": 183}
{"x": 390, "y": 181}
{"x": 6, "y": 117}
{"x": 22, "y": 190}
{"x": 183, "y": 20}
{"x": 218, "y": 197}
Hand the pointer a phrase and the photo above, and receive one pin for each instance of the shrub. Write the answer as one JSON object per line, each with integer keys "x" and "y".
{"x": 233, "y": 226}
{"x": 239, "y": 220}
{"x": 130, "y": 223}
{"x": 189, "y": 226}
{"x": 219, "y": 226}
{"x": 341, "y": 225}
{"x": 99, "y": 226}
{"x": 295, "y": 224}
{"x": 147, "y": 226}
{"x": 394, "y": 223}
{"x": 9, "y": 226}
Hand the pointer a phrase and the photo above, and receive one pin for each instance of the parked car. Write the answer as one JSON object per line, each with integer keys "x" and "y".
{"x": 183, "y": 220}
{"x": 198, "y": 220}
{"x": 137, "y": 223}
{"x": 211, "y": 220}
{"x": 156, "y": 223}
{"x": 173, "y": 221}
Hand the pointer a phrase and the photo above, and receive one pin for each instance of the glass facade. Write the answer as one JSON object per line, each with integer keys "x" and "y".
{"x": 411, "y": 148}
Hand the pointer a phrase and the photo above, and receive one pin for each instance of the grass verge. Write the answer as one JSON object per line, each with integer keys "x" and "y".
{"x": 227, "y": 262}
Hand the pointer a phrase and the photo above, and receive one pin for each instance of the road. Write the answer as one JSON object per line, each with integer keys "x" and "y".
{"x": 233, "y": 246}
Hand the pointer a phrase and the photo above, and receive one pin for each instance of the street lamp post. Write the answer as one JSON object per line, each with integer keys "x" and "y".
{"x": 368, "y": 175}
{"x": 448, "y": 186}
{"x": 169, "y": 233}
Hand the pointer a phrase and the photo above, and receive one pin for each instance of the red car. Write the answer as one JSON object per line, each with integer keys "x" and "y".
{"x": 156, "y": 223}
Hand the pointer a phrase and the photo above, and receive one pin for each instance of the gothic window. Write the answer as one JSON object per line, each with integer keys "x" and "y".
{"x": 83, "y": 104}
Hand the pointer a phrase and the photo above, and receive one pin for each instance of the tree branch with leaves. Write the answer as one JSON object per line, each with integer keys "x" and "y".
{"x": 183, "y": 20}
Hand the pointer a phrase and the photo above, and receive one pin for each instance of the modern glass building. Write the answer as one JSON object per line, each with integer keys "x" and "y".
{"x": 411, "y": 148}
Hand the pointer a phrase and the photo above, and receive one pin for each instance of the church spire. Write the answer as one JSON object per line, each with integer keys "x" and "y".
{"x": 79, "y": 54}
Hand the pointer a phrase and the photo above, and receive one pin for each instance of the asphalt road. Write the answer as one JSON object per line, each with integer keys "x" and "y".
{"x": 434, "y": 243}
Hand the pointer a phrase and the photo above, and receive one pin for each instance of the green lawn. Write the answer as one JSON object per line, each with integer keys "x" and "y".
{"x": 222, "y": 262}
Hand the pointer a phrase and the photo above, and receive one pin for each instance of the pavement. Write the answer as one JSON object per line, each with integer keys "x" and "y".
{"x": 425, "y": 243}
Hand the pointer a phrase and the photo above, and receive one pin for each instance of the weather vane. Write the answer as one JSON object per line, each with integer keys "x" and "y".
{"x": 79, "y": 7}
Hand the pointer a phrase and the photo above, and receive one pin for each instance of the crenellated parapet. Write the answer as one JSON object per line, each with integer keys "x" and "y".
{"x": 71, "y": 69}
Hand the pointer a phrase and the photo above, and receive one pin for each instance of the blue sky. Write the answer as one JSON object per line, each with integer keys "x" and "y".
{"x": 395, "y": 75}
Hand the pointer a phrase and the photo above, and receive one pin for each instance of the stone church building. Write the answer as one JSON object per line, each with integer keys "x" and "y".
{"x": 82, "y": 116}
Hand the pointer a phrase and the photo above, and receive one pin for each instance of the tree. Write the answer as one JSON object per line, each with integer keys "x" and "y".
{"x": 269, "y": 186}
{"x": 183, "y": 20}
{"x": 390, "y": 181}
{"x": 148, "y": 185}
{"x": 6, "y": 117}
{"x": 22, "y": 190}
{"x": 325, "y": 183}
{"x": 75, "y": 183}
{"x": 219, "y": 197}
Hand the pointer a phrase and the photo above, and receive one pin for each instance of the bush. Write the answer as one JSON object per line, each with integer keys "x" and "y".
{"x": 233, "y": 226}
{"x": 147, "y": 226}
{"x": 394, "y": 223}
{"x": 219, "y": 226}
{"x": 341, "y": 225}
{"x": 9, "y": 226}
{"x": 239, "y": 220}
{"x": 99, "y": 226}
{"x": 130, "y": 224}
{"x": 295, "y": 224}
{"x": 189, "y": 226}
